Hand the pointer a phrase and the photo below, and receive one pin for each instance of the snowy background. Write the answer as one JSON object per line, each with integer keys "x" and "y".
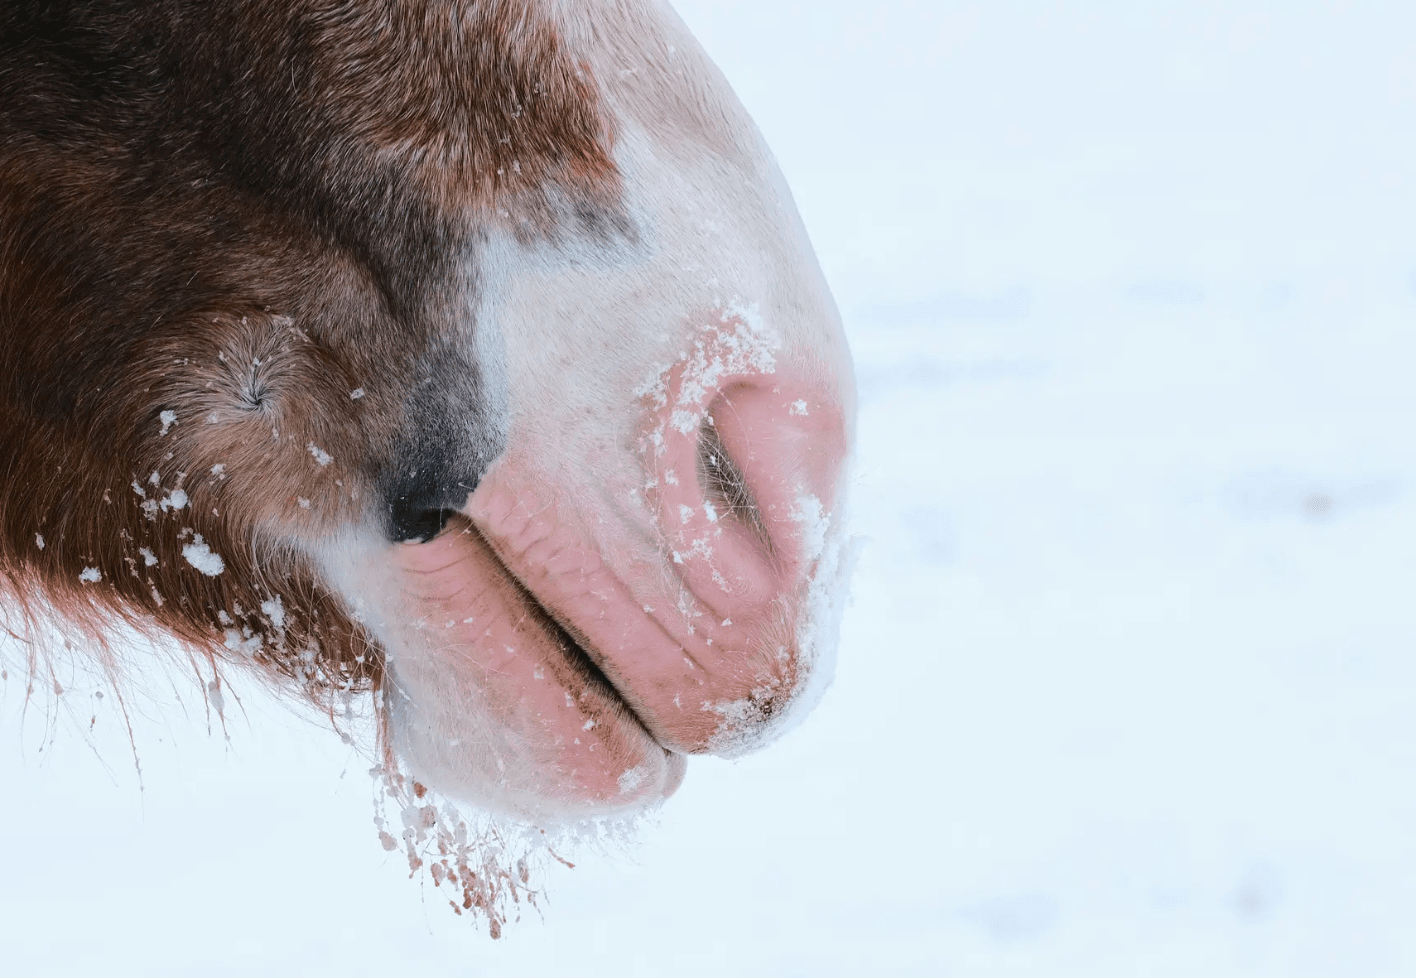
{"x": 1129, "y": 681}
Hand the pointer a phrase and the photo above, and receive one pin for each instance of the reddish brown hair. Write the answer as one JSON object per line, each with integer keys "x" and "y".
{"x": 231, "y": 236}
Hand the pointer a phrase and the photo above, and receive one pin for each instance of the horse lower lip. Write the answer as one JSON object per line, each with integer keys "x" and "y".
{"x": 574, "y": 649}
{"x": 473, "y": 644}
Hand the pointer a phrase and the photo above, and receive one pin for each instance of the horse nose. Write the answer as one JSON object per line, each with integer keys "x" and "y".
{"x": 747, "y": 497}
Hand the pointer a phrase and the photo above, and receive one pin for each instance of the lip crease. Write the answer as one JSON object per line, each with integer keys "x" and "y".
{"x": 480, "y": 636}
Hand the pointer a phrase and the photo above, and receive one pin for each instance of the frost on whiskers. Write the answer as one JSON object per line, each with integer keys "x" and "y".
{"x": 483, "y": 864}
{"x": 483, "y": 875}
{"x": 776, "y": 705}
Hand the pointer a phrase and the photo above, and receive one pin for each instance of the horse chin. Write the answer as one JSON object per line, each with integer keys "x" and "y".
{"x": 490, "y": 700}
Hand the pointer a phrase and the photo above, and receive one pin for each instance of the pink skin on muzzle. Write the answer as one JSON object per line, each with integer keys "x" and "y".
{"x": 696, "y": 631}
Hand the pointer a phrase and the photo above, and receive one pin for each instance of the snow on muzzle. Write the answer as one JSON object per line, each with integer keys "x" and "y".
{"x": 696, "y": 617}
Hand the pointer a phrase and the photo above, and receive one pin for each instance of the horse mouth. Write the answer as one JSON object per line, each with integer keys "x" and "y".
{"x": 495, "y": 699}
{"x": 580, "y": 664}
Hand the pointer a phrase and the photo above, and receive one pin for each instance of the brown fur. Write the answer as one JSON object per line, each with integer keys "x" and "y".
{"x": 241, "y": 212}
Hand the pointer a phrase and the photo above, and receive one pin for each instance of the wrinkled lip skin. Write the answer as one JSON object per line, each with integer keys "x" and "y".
{"x": 558, "y": 734}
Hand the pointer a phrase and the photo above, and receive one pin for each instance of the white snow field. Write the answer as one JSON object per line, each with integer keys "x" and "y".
{"x": 1128, "y": 686}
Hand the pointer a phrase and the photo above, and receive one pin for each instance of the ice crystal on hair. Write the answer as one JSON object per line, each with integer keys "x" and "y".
{"x": 275, "y": 611}
{"x": 630, "y": 780}
{"x": 201, "y": 556}
{"x": 485, "y": 867}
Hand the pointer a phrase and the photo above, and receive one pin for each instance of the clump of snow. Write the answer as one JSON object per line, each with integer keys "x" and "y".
{"x": 39, "y": 540}
{"x": 275, "y": 611}
{"x": 321, "y": 456}
{"x": 242, "y": 641}
{"x": 176, "y": 499}
{"x": 630, "y": 780}
{"x": 149, "y": 558}
{"x": 200, "y": 556}
{"x": 168, "y": 419}
{"x": 814, "y": 522}
{"x": 356, "y": 393}
{"x": 90, "y": 575}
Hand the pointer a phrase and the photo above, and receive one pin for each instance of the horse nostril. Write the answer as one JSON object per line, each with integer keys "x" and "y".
{"x": 408, "y": 523}
{"x": 724, "y": 485}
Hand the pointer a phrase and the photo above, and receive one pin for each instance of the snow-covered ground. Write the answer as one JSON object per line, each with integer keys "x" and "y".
{"x": 1128, "y": 686}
